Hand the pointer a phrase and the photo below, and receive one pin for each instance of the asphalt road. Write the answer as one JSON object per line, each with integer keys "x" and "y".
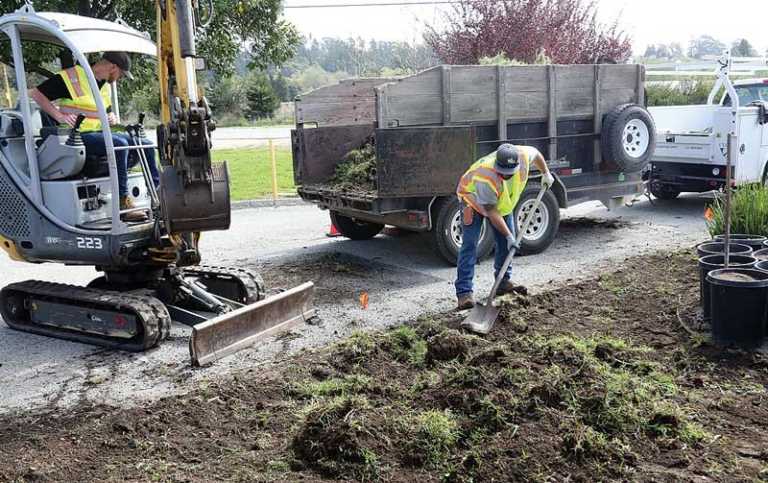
{"x": 403, "y": 276}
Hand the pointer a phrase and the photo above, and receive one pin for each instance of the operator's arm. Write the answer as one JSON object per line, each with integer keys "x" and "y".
{"x": 53, "y": 111}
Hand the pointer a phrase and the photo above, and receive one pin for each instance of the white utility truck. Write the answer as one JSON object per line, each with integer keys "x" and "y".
{"x": 691, "y": 141}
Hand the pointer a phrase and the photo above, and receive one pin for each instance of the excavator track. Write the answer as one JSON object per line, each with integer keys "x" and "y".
{"x": 131, "y": 321}
{"x": 238, "y": 284}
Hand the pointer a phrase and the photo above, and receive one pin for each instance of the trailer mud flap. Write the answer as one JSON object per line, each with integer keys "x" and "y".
{"x": 236, "y": 330}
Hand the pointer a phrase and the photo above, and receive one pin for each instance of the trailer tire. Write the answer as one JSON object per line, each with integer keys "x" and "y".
{"x": 545, "y": 225}
{"x": 355, "y": 229}
{"x": 628, "y": 137}
{"x": 447, "y": 229}
{"x": 663, "y": 192}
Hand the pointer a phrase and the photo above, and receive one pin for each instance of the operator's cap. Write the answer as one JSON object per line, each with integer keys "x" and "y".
{"x": 121, "y": 60}
{"x": 507, "y": 160}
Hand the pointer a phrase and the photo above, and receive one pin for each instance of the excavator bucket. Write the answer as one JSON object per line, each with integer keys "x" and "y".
{"x": 236, "y": 330}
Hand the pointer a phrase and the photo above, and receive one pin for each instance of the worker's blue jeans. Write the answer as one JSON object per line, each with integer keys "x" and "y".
{"x": 465, "y": 268}
{"x": 94, "y": 146}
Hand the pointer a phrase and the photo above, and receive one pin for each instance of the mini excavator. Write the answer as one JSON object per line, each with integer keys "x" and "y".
{"x": 60, "y": 205}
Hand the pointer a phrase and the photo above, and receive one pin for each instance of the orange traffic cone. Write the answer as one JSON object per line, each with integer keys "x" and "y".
{"x": 333, "y": 232}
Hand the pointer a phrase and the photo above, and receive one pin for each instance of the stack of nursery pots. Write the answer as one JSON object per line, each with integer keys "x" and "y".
{"x": 734, "y": 296}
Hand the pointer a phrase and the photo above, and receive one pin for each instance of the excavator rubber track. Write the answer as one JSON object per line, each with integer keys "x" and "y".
{"x": 131, "y": 321}
{"x": 222, "y": 281}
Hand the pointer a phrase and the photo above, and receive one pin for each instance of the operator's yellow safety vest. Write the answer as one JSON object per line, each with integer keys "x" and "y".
{"x": 82, "y": 100}
{"x": 508, "y": 191}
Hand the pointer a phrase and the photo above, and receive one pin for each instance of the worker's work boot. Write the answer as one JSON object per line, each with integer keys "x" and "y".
{"x": 126, "y": 203}
{"x": 466, "y": 301}
{"x": 507, "y": 287}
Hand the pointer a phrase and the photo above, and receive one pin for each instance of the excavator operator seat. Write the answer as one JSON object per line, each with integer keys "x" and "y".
{"x": 12, "y": 135}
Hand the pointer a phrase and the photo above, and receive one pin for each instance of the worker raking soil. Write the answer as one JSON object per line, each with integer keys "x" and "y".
{"x": 490, "y": 189}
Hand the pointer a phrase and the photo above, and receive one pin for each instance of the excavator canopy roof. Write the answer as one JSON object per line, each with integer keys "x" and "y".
{"x": 88, "y": 34}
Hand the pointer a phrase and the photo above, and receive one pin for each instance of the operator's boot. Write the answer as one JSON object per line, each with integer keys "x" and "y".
{"x": 126, "y": 203}
{"x": 465, "y": 301}
{"x": 507, "y": 287}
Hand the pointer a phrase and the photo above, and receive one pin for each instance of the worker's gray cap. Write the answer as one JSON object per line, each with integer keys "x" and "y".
{"x": 120, "y": 59}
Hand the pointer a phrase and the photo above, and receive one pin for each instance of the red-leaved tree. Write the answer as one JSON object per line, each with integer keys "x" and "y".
{"x": 567, "y": 31}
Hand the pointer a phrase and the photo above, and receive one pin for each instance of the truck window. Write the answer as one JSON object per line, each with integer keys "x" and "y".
{"x": 749, "y": 94}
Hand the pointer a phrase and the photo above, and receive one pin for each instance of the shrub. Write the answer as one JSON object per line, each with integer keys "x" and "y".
{"x": 686, "y": 92}
{"x": 749, "y": 212}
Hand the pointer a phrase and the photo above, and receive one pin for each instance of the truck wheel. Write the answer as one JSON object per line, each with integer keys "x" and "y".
{"x": 448, "y": 228}
{"x": 355, "y": 229}
{"x": 543, "y": 228}
{"x": 663, "y": 192}
{"x": 629, "y": 137}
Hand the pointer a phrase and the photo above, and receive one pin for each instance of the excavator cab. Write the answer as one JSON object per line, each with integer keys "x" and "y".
{"x": 59, "y": 205}
{"x": 49, "y": 162}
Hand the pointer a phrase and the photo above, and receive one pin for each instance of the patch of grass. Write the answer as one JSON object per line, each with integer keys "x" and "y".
{"x": 406, "y": 345}
{"x": 433, "y": 435}
{"x": 613, "y": 284}
{"x": 250, "y": 172}
{"x": 358, "y": 347}
{"x": 614, "y": 391}
{"x": 331, "y": 436}
{"x": 335, "y": 386}
{"x": 582, "y": 441}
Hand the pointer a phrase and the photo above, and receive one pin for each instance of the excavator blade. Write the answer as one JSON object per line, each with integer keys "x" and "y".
{"x": 236, "y": 330}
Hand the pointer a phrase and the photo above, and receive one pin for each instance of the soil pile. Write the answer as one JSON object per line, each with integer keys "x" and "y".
{"x": 596, "y": 381}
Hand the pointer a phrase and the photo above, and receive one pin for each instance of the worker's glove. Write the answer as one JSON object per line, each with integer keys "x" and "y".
{"x": 547, "y": 180}
{"x": 512, "y": 243}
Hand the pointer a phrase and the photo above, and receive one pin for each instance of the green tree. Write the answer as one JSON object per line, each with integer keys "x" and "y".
{"x": 255, "y": 23}
{"x": 705, "y": 45}
{"x": 742, "y": 48}
{"x": 260, "y": 99}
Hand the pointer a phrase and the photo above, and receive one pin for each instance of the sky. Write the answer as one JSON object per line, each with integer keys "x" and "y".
{"x": 646, "y": 21}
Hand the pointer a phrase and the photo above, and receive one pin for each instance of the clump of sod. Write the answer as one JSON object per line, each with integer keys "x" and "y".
{"x": 357, "y": 171}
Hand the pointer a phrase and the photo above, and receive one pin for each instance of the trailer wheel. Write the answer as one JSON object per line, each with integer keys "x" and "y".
{"x": 545, "y": 224}
{"x": 448, "y": 229}
{"x": 629, "y": 137}
{"x": 663, "y": 192}
{"x": 355, "y": 229}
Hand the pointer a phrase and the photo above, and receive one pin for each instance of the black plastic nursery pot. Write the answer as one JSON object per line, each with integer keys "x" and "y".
{"x": 761, "y": 255}
{"x": 718, "y": 248}
{"x": 755, "y": 241}
{"x": 715, "y": 262}
{"x": 761, "y": 265}
{"x": 739, "y": 306}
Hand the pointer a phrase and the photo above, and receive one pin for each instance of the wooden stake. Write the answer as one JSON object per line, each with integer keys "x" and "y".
{"x": 727, "y": 217}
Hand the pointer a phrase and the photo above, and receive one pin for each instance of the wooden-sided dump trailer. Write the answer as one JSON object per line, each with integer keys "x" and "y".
{"x": 587, "y": 120}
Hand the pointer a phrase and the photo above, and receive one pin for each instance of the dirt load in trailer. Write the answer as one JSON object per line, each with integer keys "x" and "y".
{"x": 381, "y": 152}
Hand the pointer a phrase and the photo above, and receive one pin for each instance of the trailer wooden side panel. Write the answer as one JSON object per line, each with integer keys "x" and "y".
{"x": 349, "y": 102}
{"x": 470, "y": 94}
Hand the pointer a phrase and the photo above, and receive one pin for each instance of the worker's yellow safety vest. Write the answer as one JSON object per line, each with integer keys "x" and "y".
{"x": 508, "y": 191}
{"x": 82, "y": 100}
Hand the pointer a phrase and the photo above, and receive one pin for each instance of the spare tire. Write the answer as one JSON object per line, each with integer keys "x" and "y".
{"x": 629, "y": 137}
